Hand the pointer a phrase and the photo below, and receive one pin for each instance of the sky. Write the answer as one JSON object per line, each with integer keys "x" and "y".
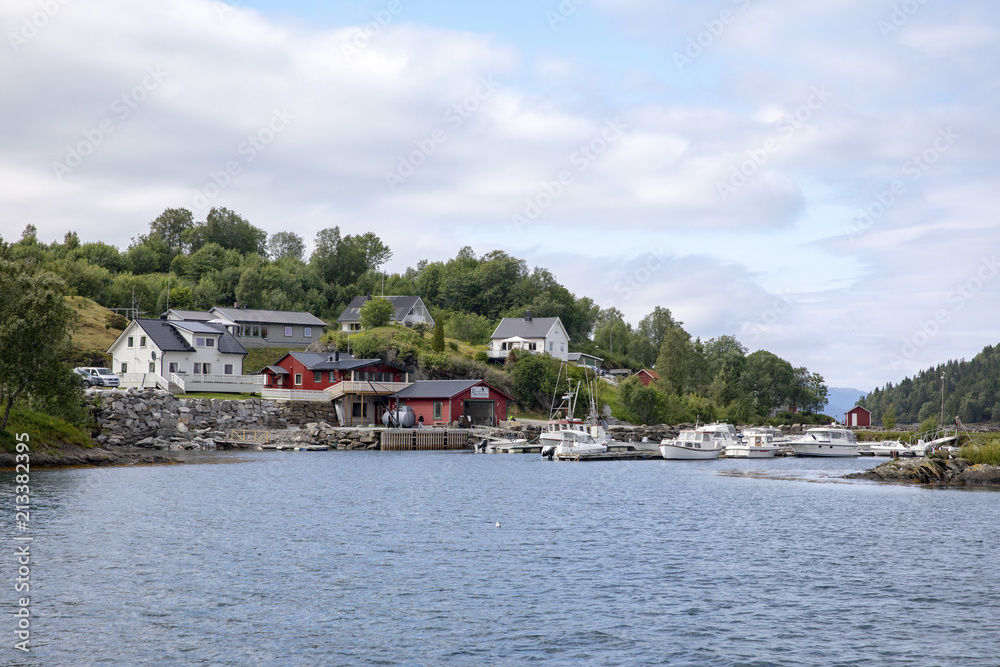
{"x": 819, "y": 179}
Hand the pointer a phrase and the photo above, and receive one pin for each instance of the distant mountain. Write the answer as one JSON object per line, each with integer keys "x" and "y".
{"x": 839, "y": 400}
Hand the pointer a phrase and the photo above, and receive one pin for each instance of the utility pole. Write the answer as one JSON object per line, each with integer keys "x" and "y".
{"x": 942, "y": 403}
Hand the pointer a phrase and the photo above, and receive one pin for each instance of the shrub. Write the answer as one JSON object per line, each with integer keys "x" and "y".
{"x": 982, "y": 450}
{"x": 376, "y": 313}
{"x": 453, "y": 345}
{"x": 481, "y": 356}
{"x": 368, "y": 346}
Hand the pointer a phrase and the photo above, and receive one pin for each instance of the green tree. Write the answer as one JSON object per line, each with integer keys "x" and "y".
{"x": 181, "y": 297}
{"x": 229, "y": 230}
{"x": 768, "y": 379}
{"x": 437, "y": 343}
{"x": 286, "y": 244}
{"x": 376, "y": 312}
{"x": 674, "y": 362}
{"x": 34, "y": 336}
{"x": 646, "y": 404}
{"x": 171, "y": 226}
{"x": 654, "y": 326}
{"x": 889, "y": 418}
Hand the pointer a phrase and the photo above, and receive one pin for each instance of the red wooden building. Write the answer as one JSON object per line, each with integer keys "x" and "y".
{"x": 858, "y": 416}
{"x": 447, "y": 401}
{"x": 646, "y": 376}
{"x": 359, "y": 388}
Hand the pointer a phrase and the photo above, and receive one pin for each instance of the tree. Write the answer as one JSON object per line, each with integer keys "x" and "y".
{"x": 171, "y": 226}
{"x": 889, "y": 418}
{"x": 437, "y": 343}
{"x": 181, "y": 297}
{"x": 34, "y": 335}
{"x": 376, "y": 312}
{"x": 673, "y": 363}
{"x": 230, "y": 231}
{"x": 646, "y": 404}
{"x": 768, "y": 378}
{"x": 286, "y": 244}
{"x": 654, "y": 326}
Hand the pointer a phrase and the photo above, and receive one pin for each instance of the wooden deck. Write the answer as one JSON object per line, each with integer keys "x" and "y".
{"x": 423, "y": 439}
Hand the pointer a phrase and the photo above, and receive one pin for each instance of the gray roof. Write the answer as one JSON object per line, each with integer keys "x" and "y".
{"x": 165, "y": 336}
{"x": 191, "y": 315}
{"x": 536, "y": 327}
{"x": 440, "y": 388}
{"x": 402, "y": 304}
{"x": 270, "y": 316}
{"x": 278, "y": 370}
{"x": 316, "y": 361}
{"x": 575, "y": 356}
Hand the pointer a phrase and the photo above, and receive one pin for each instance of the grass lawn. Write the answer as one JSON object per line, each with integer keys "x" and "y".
{"x": 43, "y": 431}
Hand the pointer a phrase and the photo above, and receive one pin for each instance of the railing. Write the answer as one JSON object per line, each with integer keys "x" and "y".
{"x": 364, "y": 387}
{"x": 248, "y": 436}
{"x": 294, "y": 395}
{"x": 140, "y": 380}
{"x": 223, "y": 383}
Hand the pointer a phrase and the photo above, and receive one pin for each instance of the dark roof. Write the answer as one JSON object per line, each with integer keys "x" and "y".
{"x": 270, "y": 316}
{"x": 191, "y": 315}
{"x": 442, "y": 388}
{"x": 402, "y": 304}
{"x": 277, "y": 370}
{"x": 316, "y": 361}
{"x": 164, "y": 335}
{"x": 227, "y": 342}
{"x": 575, "y": 356}
{"x": 536, "y": 327}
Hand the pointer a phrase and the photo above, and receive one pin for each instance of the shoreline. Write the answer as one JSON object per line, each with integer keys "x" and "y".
{"x": 935, "y": 469}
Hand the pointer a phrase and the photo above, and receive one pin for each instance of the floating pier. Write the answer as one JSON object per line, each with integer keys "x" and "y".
{"x": 423, "y": 439}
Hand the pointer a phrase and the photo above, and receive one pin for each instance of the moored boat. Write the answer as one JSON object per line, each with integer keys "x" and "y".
{"x": 691, "y": 445}
{"x": 826, "y": 441}
{"x": 754, "y": 446}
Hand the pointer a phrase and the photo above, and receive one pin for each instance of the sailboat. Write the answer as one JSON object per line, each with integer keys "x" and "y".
{"x": 566, "y": 434}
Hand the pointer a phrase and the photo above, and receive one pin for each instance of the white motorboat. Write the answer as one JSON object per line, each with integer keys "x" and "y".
{"x": 890, "y": 448}
{"x": 691, "y": 445}
{"x": 567, "y": 435}
{"x": 754, "y": 446}
{"x": 826, "y": 441}
{"x": 774, "y": 434}
{"x": 574, "y": 443}
{"x": 722, "y": 433}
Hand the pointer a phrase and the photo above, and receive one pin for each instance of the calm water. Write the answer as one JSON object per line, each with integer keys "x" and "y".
{"x": 354, "y": 558}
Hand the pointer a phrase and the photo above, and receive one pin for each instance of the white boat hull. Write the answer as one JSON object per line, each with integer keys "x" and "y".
{"x": 564, "y": 450}
{"x": 824, "y": 449}
{"x": 744, "y": 452}
{"x": 680, "y": 453}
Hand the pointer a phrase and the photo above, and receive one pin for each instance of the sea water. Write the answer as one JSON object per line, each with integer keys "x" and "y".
{"x": 384, "y": 558}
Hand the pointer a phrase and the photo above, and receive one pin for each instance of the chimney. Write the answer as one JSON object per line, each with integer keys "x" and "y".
{"x": 527, "y": 316}
{"x": 236, "y": 304}
{"x": 336, "y": 355}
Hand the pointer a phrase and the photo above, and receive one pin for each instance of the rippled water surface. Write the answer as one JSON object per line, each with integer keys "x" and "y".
{"x": 311, "y": 558}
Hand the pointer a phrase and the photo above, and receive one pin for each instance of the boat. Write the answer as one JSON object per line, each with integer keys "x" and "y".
{"x": 691, "y": 445}
{"x": 722, "y": 433}
{"x": 826, "y": 441}
{"x": 753, "y": 446}
{"x": 890, "y": 448}
{"x": 566, "y": 435}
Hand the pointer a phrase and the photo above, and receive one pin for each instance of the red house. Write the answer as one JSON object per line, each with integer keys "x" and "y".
{"x": 446, "y": 401}
{"x": 858, "y": 416}
{"x": 359, "y": 388}
{"x": 646, "y": 376}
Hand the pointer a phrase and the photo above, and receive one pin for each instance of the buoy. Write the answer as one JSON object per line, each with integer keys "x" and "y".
{"x": 498, "y": 524}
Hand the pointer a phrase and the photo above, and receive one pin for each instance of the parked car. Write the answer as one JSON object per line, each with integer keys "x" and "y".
{"x": 86, "y": 378}
{"x": 105, "y": 376}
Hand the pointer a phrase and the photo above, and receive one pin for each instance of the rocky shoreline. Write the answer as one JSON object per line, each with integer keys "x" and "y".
{"x": 935, "y": 469}
{"x": 63, "y": 455}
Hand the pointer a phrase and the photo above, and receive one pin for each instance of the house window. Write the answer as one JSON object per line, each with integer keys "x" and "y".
{"x": 263, "y": 331}
{"x": 197, "y": 369}
{"x": 209, "y": 342}
{"x": 199, "y": 342}
{"x": 288, "y": 331}
{"x": 562, "y": 347}
{"x": 307, "y": 332}
{"x": 333, "y": 376}
{"x": 437, "y": 410}
{"x": 152, "y": 367}
{"x": 317, "y": 376}
{"x": 142, "y": 341}
{"x": 124, "y": 367}
{"x": 298, "y": 379}
{"x": 172, "y": 367}
{"x": 255, "y": 331}
{"x": 228, "y": 369}
{"x": 207, "y": 368}
{"x": 550, "y": 346}
{"x": 131, "y": 342}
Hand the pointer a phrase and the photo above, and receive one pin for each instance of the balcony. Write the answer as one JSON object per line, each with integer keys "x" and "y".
{"x": 364, "y": 388}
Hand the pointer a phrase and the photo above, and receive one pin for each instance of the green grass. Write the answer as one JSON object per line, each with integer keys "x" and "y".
{"x": 259, "y": 357}
{"x": 44, "y": 431}
{"x": 982, "y": 449}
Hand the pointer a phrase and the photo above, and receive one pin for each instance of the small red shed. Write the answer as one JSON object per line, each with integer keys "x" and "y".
{"x": 445, "y": 401}
{"x": 858, "y": 416}
{"x": 646, "y": 376}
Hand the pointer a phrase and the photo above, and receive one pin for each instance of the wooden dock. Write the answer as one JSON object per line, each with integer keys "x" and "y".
{"x": 423, "y": 439}
{"x": 274, "y": 446}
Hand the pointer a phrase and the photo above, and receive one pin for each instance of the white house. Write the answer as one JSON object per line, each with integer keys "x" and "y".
{"x": 539, "y": 334}
{"x": 180, "y": 356}
{"x": 407, "y": 310}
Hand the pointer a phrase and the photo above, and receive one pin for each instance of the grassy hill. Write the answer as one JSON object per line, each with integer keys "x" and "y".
{"x": 92, "y": 335}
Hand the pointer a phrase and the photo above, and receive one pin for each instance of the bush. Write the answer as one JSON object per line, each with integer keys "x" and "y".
{"x": 982, "y": 450}
{"x": 368, "y": 346}
{"x": 376, "y": 312}
{"x": 481, "y": 356}
{"x": 453, "y": 345}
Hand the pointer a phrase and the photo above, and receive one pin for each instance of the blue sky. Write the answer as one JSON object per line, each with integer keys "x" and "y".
{"x": 818, "y": 180}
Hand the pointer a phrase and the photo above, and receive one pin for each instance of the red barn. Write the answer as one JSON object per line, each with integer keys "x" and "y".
{"x": 858, "y": 416}
{"x": 445, "y": 401}
{"x": 646, "y": 376}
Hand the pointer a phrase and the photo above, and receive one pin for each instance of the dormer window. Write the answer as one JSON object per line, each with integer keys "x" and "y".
{"x": 201, "y": 341}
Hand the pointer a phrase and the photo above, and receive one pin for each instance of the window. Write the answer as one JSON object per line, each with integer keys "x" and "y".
{"x": 199, "y": 342}
{"x": 317, "y": 376}
{"x": 298, "y": 379}
{"x": 197, "y": 369}
{"x": 172, "y": 367}
{"x": 307, "y": 332}
{"x": 131, "y": 342}
{"x": 333, "y": 376}
{"x": 207, "y": 369}
{"x": 550, "y": 346}
{"x": 255, "y": 331}
{"x": 142, "y": 341}
{"x": 562, "y": 347}
{"x": 124, "y": 367}
{"x": 228, "y": 369}
{"x": 209, "y": 342}
{"x": 152, "y": 367}
{"x": 437, "y": 410}
{"x": 288, "y": 331}
{"x": 263, "y": 331}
